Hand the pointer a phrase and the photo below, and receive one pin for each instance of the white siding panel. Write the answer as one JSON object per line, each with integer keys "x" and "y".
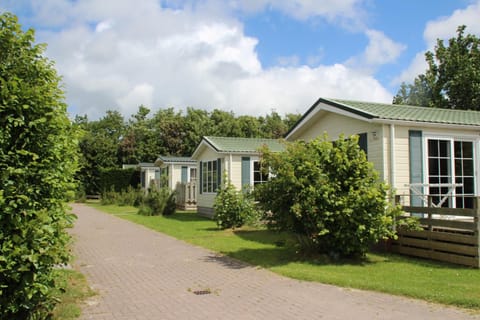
{"x": 335, "y": 125}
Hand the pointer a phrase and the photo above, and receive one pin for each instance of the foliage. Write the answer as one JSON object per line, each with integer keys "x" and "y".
{"x": 118, "y": 179}
{"x": 277, "y": 251}
{"x": 125, "y": 197}
{"x": 38, "y": 158}
{"x": 452, "y": 79}
{"x": 171, "y": 205}
{"x": 233, "y": 208}
{"x": 328, "y": 194}
{"x": 158, "y": 202}
{"x": 111, "y": 141}
{"x": 99, "y": 146}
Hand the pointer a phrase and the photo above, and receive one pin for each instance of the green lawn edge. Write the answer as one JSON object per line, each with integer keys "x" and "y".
{"x": 388, "y": 273}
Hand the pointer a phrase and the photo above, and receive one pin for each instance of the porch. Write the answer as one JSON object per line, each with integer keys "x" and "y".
{"x": 186, "y": 195}
{"x": 447, "y": 234}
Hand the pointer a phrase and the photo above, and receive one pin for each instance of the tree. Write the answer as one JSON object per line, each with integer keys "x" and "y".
{"x": 328, "y": 194}
{"x": 100, "y": 148}
{"x": 38, "y": 157}
{"x": 452, "y": 79}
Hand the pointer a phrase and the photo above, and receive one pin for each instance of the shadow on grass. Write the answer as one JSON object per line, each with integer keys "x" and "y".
{"x": 187, "y": 216}
{"x": 226, "y": 261}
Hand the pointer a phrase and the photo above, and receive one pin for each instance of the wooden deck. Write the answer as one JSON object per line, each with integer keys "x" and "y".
{"x": 449, "y": 235}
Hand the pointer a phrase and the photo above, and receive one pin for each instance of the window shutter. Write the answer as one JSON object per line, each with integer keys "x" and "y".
{"x": 219, "y": 173}
{"x": 245, "y": 172}
{"x": 363, "y": 142}
{"x": 184, "y": 174}
{"x": 200, "y": 179}
{"x": 415, "y": 155}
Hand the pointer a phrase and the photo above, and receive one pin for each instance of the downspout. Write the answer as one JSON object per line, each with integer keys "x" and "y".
{"x": 230, "y": 168}
{"x": 392, "y": 157}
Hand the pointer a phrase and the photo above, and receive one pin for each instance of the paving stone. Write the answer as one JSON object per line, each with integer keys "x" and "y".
{"x": 141, "y": 274}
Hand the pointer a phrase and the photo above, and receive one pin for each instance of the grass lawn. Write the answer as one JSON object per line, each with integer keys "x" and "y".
{"x": 76, "y": 291}
{"x": 394, "y": 274}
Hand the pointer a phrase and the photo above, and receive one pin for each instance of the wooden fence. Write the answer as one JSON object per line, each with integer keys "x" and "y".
{"x": 450, "y": 235}
{"x": 186, "y": 195}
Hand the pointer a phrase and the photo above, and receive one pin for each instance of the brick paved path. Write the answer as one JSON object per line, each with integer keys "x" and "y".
{"x": 142, "y": 274}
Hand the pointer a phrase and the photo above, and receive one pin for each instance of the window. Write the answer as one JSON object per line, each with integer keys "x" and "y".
{"x": 209, "y": 176}
{"x": 193, "y": 174}
{"x": 259, "y": 176}
{"x": 464, "y": 174}
{"x": 451, "y": 162}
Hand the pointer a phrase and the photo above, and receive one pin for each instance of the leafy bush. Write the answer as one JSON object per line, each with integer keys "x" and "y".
{"x": 328, "y": 194}
{"x": 38, "y": 158}
{"x": 158, "y": 202}
{"x": 233, "y": 208}
{"x": 130, "y": 197}
{"x": 109, "y": 197}
{"x": 171, "y": 205}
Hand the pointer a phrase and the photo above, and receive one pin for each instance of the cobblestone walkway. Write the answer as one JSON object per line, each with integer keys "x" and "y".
{"x": 141, "y": 274}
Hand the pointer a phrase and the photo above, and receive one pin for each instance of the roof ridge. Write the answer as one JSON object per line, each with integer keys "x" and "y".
{"x": 346, "y": 101}
{"x": 223, "y": 137}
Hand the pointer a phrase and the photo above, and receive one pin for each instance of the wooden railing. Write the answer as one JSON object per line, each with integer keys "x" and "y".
{"x": 186, "y": 195}
{"x": 450, "y": 235}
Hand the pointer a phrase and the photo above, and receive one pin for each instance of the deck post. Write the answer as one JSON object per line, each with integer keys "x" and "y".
{"x": 476, "y": 207}
{"x": 430, "y": 204}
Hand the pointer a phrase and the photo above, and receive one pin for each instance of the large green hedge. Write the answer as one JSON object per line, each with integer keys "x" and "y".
{"x": 118, "y": 179}
{"x": 38, "y": 157}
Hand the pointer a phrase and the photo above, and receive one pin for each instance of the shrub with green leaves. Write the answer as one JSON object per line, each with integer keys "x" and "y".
{"x": 232, "y": 208}
{"x": 328, "y": 194}
{"x": 158, "y": 202}
{"x": 38, "y": 158}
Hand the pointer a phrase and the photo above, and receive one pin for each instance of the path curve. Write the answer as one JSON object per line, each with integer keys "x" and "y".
{"x": 141, "y": 274}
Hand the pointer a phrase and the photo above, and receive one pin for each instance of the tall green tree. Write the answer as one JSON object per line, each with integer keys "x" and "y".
{"x": 452, "y": 79}
{"x": 100, "y": 148}
{"x": 38, "y": 158}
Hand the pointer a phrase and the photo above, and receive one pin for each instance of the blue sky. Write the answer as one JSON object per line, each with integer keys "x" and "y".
{"x": 247, "y": 56}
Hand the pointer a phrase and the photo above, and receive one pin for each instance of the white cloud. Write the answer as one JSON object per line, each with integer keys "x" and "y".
{"x": 442, "y": 28}
{"x": 446, "y": 27}
{"x": 379, "y": 51}
{"x": 305, "y": 9}
{"x": 120, "y": 54}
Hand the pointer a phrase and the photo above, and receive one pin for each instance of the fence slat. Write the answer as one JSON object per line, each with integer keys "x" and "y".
{"x": 442, "y": 236}
{"x": 454, "y": 224}
{"x": 440, "y": 246}
{"x": 435, "y": 255}
{"x": 461, "y": 212}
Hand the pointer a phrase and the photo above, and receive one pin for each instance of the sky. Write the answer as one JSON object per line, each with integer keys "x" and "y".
{"x": 250, "y": 57}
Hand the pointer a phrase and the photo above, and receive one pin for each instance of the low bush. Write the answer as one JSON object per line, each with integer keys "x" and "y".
{"x": 233, "y": 208}
{"x": 158, "y": 202}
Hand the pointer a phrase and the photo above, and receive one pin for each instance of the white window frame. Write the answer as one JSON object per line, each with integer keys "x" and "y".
{"x": 214, "y": 183}
{"x": 252, "y": 175}
{"x": 452, "y": 139}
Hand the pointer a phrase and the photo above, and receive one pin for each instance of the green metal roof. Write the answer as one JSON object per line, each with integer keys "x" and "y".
{"x": 406, "y": 113}
{"x": 239, "y": 145}
{"x": 175, "y": 159}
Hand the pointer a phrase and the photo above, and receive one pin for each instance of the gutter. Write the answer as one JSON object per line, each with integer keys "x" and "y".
{"x": 392, "y": 156}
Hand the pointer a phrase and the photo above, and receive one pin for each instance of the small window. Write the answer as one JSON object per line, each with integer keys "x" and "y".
{"x": 209, "y": 176}
{"x": 193, "y": 174}
{"x": 259, "y": 175}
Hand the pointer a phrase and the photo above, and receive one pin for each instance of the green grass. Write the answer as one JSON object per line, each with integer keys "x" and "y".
{"x": 431, "y": 281}
{"x": 76, "y": 291}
